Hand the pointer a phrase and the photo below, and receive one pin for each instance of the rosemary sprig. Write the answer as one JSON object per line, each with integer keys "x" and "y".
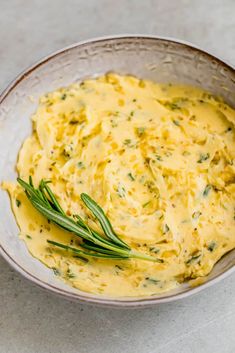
{"x": 93, "y": 244}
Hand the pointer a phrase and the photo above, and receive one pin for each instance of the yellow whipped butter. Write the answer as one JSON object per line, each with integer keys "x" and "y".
{"x": 159, "y": 159}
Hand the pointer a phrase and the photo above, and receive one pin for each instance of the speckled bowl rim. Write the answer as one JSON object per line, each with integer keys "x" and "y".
{"x": 117, "y": 302}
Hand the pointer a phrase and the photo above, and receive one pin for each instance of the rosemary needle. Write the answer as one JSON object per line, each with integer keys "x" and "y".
{"x": 93, "y": 244}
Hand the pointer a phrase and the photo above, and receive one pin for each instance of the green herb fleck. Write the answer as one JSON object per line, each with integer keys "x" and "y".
{"x": 121, "y": 190}
{"x": 131, "y": 177}
{"x": 80, "y": 165}
{"x": 172, "y": 106}
{"x": 193, "y": 259}
{"x": 113, "y": 123}
{"x": 67, "y": 151}
{"x": 69, "y": 274}
{"x": 73, "y": 122}
{"x": 64, "y": 96}
{"x": 146, "y": 204}
{"x": 154, "y": 250}
{"x": 165, "y": 228}
{"x": 196, "y": 214}
{"x": 150, "y": 185}
{"x": 28, "y": 236}
{"x": 140, "y": 131}
{"x": 56, "y": 271}
{"x": 212, "y": 246}
{"x": 207, "y": 190}
{"x": 176, "y": 122}
{"x": 203, "y": 157}
{"x": 152, "y": 280}
{"x": 159, "y": 158}
{"x": 228, "y": 129}
{"x": 119, "y": 267}
{"x": 18, "y": 203}
{"x": 127, "y": 142}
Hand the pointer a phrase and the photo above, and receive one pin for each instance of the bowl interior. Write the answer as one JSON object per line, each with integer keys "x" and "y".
{"x": 146, "y": 57}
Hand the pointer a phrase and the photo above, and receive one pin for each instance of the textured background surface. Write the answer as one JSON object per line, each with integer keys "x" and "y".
{"x": 32, "y": 321}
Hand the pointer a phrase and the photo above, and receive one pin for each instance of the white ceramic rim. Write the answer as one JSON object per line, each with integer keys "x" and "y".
{"x": 118, "y": 303}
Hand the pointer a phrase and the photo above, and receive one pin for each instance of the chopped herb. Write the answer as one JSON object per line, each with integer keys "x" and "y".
{"x": 121, "y": 190}
{"x": 228, "y": 129}
{"x": 146, "y": 204}
{"x": 56, "y": 271}
{"x": 18, "y": 203}
{"x": 165, "y": 229}
{"x": 203, "y": 157}
{"x": 69, "y": 274}
{"x": 172, "y": 106}
{"x": 131, "y": 176}
{"x": 134, "y": 100}
{"x": 159, "y": 158}
{"x": 73, "y": 122}
{"x": 150, "y": 185}
{"x": 207, "y": 190}
{"x": 119, "y": 267}
{"x": 113, "y": 123}
{"x": 211, "y": 247}
{"x": 132, "y": 113}
{"x": 152, "y": 280}
{"x": 163, "y": 241}
{"x": 127, "y": 142}
{"x": 140, "y": 131}
{"x": 186, "y": 153}
{"x": 176, "y": 122}
{"x": 64, "y": 96}
{"x": 193, "y": 259}
{"x": 154, "y": 250}
{"x": 196, "y": 214}
{"x": 80, "y": 165}
{"x": 28, "y": 236}
{"x": 67, "y": 151}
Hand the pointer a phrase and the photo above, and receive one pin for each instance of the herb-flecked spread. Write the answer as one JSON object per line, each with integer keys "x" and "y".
{"x": 159, "y": 160}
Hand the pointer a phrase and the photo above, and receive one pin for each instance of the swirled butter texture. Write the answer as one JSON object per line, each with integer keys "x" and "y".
{"x": 159, "y": 159}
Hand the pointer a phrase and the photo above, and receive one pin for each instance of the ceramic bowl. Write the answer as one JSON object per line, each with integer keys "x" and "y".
{"x": 158, "y": 59}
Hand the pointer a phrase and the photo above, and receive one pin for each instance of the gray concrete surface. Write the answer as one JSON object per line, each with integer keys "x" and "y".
{"x": 33, "y": 321}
